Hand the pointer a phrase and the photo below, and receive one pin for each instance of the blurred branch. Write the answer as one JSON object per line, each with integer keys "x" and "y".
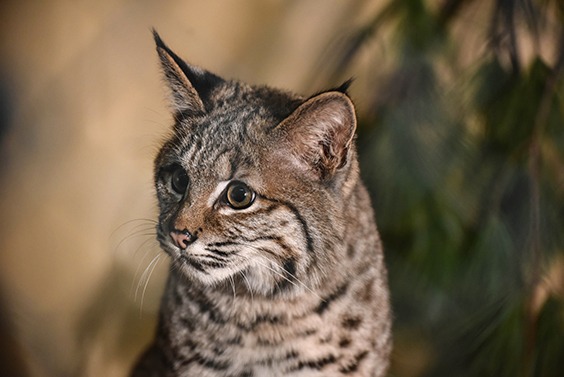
{"x": 534, "y": 166}
{"x": 449, "y": 11}
{"x": 350, "y": 44}
{"x": 467, "y": 182}
{"x": 502, "y": 31}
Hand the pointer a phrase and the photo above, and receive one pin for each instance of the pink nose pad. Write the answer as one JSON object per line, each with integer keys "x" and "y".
{"x": 182, "y": 238}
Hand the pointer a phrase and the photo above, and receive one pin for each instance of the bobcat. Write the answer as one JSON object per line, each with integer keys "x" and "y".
{"x": 277, "y": 266}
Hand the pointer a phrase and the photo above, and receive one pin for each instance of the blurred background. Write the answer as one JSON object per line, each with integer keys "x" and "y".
{"x": 461, "y": 136}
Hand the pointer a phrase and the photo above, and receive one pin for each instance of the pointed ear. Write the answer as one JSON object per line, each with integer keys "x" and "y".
{"x": 320, "y": 133}
{"x": 191, "y": 86}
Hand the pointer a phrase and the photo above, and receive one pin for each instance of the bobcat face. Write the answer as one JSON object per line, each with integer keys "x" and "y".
{"x": 219, "y": 219}
{"x": 252, "y": 181}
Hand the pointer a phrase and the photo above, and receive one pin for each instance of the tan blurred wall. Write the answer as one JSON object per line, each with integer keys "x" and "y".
{"x": 87, "y": 111}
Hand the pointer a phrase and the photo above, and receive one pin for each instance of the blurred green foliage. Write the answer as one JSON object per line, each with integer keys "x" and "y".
{"x": 463, "y": 152}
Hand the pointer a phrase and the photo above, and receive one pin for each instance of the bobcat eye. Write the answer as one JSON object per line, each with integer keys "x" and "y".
{"x": 179, "y": 180}
{"x": 239, "y": 195}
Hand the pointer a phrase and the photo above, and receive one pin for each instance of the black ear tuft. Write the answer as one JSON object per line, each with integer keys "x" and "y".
{"x": 344, "y": 87}
{"x": 158, "y": 41}
{"x": 191, "y": 86}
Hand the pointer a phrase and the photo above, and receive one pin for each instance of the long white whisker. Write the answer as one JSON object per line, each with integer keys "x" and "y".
{"x": 139, "y": 233}
{"x": 142, "y": 245}
{"x": 144, "y": 226}
{"x": 144, "y": 275}
{"x": 248, "y": 284}
{"x": 147, "y": 281}
{"x": 143, "y": 221}
{"x": 296, "y": 282}
{"x": 233, "y": 285}
{"x": 141, "y": 262}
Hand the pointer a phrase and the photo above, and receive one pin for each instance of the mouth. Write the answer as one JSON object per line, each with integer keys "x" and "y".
{"x": 185, "y": 260}
{"x": 196, "y": 261}
{"x": 181, "y": 258}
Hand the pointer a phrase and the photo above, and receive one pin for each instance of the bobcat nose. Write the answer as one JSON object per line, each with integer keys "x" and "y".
{"x": 182, "y": 238}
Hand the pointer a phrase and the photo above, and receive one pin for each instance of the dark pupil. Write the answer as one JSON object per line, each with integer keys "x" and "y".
{"x": 239, "y": 194}
{"x": 179, "y": 181}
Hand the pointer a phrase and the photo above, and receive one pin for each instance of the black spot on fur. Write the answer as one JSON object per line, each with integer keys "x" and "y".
{"x": 351, "y": 323}
{"x": 212, "y": 364}
{"x": 236, "y": 341}
{"x": 290, "y": 267}
{"x": 289, "y": 277}
{"x": 350, "y": 251}
{"x": 208, "y": 307}
{"x": 354, "y": 364}
{"x": 265, "y": 318}
{"x": 205, "y": 362}
{"x": 316, "y": 364}
{"x": 188, "y": 323}
{"x": 339, "y": 292}
{"x": 366, "y": 294}
{"x": 307, "y": 332}
{"x": 344, "y": 343}
{"x": 245, "y": 373}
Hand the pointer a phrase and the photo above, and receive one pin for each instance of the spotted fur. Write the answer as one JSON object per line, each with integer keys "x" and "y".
{"x": 292, "y": 285}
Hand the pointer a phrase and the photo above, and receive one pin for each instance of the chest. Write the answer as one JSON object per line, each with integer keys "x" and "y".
{"x": 327, "y": 336}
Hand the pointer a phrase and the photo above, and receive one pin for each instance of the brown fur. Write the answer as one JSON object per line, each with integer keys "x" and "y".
{"x": 293, "y": 284}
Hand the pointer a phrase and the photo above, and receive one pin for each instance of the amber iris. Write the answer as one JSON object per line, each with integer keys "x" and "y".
{"x": 239, "y": 195}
